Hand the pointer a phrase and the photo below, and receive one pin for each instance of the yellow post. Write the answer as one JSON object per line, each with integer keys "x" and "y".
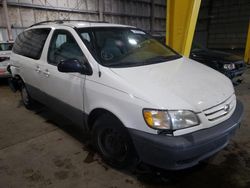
{"x": 181, "y": 21}
{"x": 247, "y": 49}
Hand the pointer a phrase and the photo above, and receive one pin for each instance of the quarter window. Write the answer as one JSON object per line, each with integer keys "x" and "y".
{"x": 63, "y": 46}
{"x": 30, "y": 43}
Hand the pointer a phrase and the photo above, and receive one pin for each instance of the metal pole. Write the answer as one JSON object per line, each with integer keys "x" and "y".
{"x": 100, "y": 9}
{"x": 6, "y": 14}
{"x": 152, "y": 17}
{"x": 181, "y": 22}
{"x": 247, "y": 48}
{"x": 210, "y": 7}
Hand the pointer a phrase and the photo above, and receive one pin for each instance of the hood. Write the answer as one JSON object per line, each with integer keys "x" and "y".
{"x": 178, "y": 84}
{"x": 220, "y": 56}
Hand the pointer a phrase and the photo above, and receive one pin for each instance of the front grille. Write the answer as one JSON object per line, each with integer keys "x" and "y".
{"x": 220, "y": 110}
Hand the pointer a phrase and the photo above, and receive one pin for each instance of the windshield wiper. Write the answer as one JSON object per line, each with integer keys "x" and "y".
{"x": 157, "y": 59}
{"x": 122, "y": 64}
{"x": 161, "y": 58}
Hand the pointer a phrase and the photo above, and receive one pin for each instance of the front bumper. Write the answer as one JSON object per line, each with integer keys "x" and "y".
{"x": 180, "y": 152}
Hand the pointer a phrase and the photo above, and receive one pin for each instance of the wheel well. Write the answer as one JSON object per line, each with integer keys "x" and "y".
{"x": 94, "y": 114}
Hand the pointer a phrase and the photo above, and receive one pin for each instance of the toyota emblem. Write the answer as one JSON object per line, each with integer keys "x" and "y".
{"x": 226, "y": 107}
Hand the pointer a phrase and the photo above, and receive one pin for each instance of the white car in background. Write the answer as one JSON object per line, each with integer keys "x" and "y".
{"x": 138, "y": 99}
{"x": 5, "y": 52}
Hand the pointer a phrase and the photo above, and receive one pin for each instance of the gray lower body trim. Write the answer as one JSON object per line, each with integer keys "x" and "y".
{"x": 77, "y": 116}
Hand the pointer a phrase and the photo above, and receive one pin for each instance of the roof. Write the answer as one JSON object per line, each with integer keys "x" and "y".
{"x": 78, "y": 23}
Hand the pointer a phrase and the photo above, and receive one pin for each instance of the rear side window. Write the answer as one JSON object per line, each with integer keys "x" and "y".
{"x": 30, "y": 43}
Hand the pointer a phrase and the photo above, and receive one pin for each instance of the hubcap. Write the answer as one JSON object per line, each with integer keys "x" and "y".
{"x": 112, "y": 145}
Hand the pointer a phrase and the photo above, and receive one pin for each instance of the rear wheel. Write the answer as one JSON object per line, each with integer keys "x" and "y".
{"x": 113, "y": 142}
{"x": 26, "y": 99}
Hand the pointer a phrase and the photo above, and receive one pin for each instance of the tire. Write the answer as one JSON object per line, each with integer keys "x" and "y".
{"x": 26, "y": 99}
{"x": 112, "y": 141}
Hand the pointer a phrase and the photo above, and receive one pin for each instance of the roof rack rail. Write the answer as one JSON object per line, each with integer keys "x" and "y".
{"x": 49, "y": 21}
{"x": 62, "y": 21}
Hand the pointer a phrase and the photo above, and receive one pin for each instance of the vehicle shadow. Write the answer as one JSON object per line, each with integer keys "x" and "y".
{"x": 3, "y": 82}
{"x": 148, "y": 176}
{"x": 143, "y": 172}
{"x": 204, "y": 175}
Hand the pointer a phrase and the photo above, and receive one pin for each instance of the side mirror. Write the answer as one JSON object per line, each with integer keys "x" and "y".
{"x": 73, "y": 65}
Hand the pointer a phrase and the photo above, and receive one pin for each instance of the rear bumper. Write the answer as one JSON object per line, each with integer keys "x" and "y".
{"x": 180, "y": 152}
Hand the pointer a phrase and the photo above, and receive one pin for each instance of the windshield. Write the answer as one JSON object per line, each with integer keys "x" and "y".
{"x": 6, "y": 46}
{"x": 124, "y": 47}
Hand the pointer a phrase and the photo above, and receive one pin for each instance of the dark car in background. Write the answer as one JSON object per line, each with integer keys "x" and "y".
{"x": 231, "y": 65}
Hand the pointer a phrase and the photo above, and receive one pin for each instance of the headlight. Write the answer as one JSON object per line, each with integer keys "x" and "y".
{"x": 230, "y": 66}
{"x": 170, "y": 120}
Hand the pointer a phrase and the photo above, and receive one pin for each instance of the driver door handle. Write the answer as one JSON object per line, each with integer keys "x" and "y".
{"x": 38, "y": 70}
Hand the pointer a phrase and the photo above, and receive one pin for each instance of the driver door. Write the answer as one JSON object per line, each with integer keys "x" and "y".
{"x": 64, "y": 91}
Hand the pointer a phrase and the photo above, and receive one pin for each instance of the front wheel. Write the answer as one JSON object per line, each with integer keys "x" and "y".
{"x": 113, "y": 142}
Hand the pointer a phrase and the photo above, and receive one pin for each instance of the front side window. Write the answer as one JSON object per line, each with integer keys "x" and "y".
{"x": 30, "y": 43}
{"x": 124, "y": 46}
{"x": 63, "y": 46}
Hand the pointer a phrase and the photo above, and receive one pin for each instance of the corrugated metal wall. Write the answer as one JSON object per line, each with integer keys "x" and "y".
{"x": 23, "y": 13}
{"x": 228, "y": 27}
{"x": 223, "y": 24}
{"x": 201, "y": 31}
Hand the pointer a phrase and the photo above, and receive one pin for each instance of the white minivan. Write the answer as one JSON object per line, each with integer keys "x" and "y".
{"x": 139, "y": 99}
